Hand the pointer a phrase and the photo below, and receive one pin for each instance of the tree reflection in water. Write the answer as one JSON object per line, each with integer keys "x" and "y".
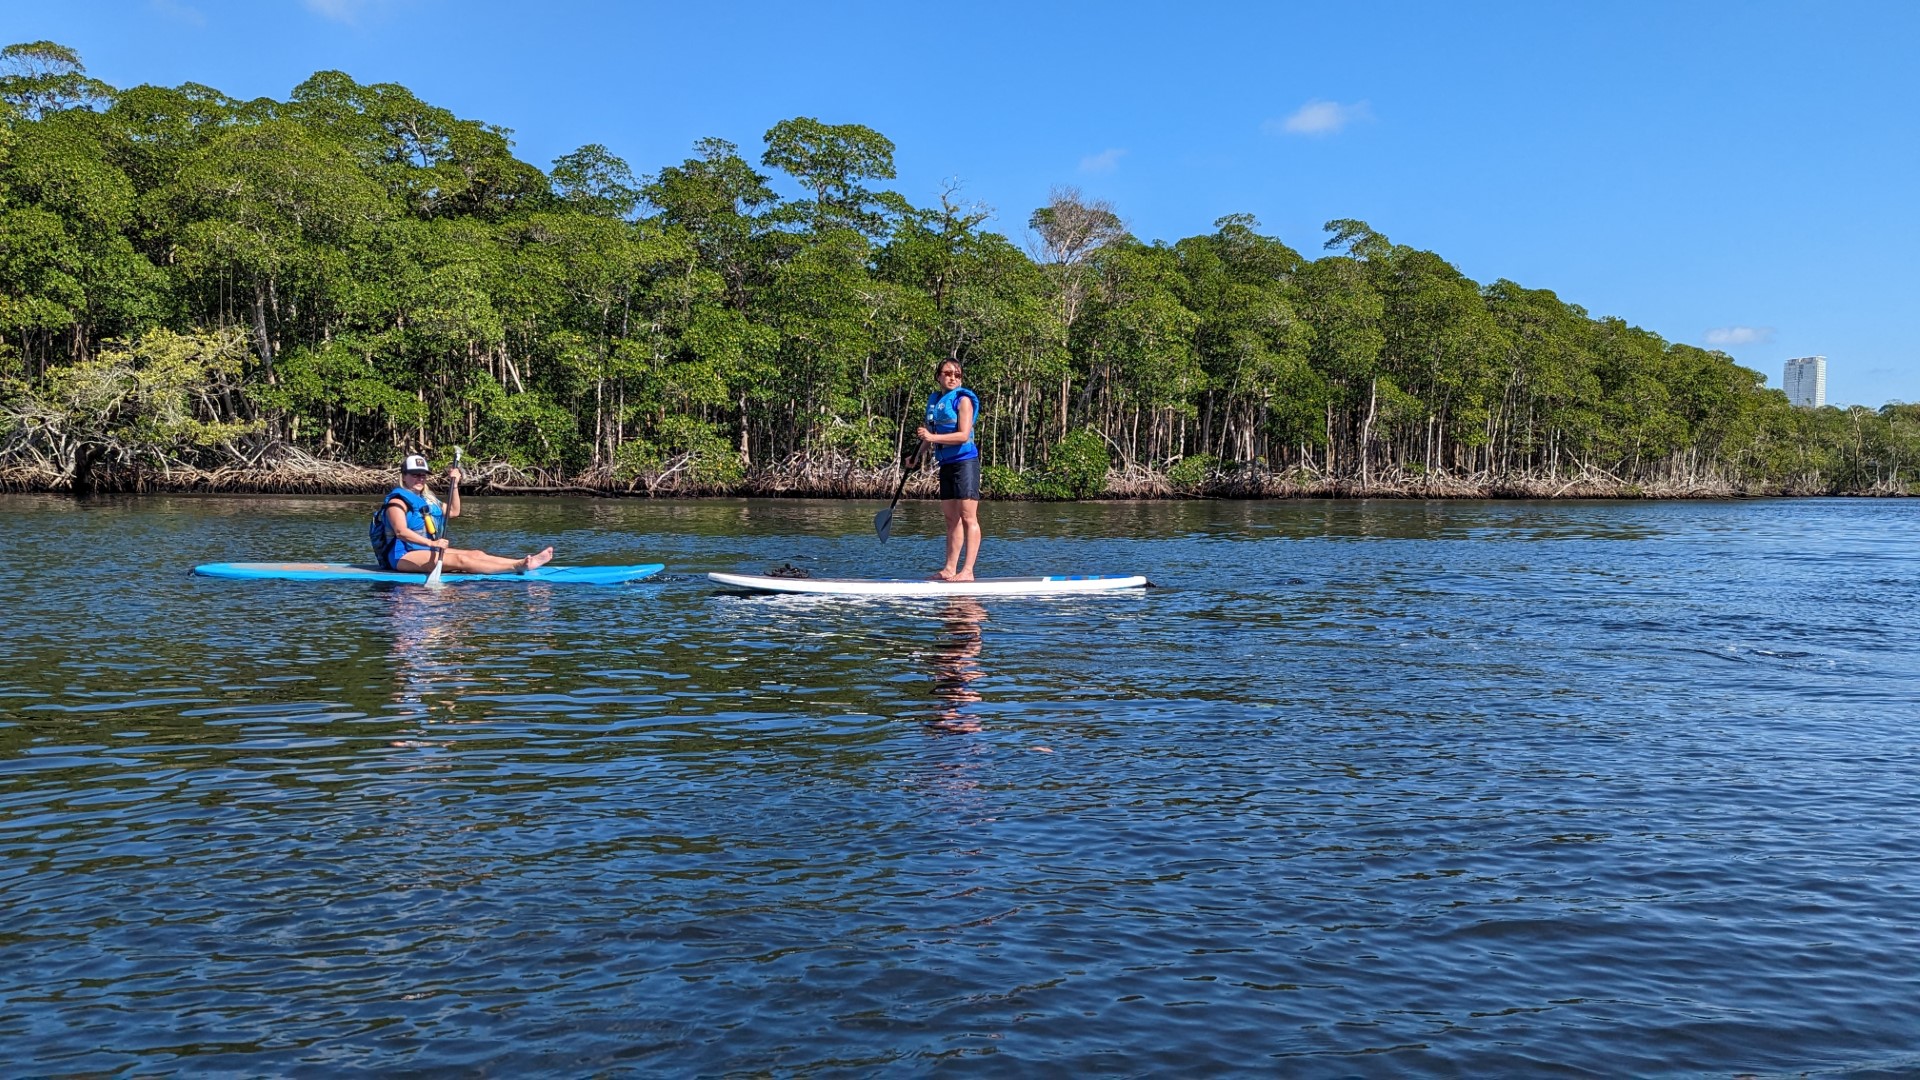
{"x": 956, "y": 664}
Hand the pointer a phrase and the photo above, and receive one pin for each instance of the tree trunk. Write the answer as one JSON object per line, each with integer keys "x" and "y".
{"x": 261, "y": 342}
{"x": 1366, "y": 429}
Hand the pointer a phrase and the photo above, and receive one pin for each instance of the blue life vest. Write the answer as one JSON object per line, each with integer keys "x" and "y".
{"x": 943, "y": 418}
{"x": 423, "y": 516}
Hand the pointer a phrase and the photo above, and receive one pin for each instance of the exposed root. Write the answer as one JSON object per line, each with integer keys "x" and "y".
{"x": 285, "y": 469}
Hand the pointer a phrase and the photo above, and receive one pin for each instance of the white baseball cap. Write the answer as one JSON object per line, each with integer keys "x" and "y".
{"x": 415, "y": 463}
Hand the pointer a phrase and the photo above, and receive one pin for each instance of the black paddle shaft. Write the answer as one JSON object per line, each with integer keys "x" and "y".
{"x": 883, "y": 521}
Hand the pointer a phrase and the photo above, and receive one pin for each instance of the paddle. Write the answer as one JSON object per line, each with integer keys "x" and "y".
{"x": 883, "y": 521}
{"x": 440, "y": 554}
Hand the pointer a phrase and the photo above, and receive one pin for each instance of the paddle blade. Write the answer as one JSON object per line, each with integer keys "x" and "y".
{"x": 433, "y": 575}
{"x": 883, "y": 523}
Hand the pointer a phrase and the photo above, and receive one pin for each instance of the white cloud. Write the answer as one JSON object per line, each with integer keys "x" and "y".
{"x": 1318, "y": 117}
{"x": 340, "y": 11}
{"x": 185, "y": 13}
{"x": 1103, "y": 162}
{"x": 1739, "y": 335}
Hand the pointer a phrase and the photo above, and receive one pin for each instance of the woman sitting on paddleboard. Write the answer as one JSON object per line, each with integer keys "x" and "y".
{"x": 412, "y": 525}
{"x": 951, "y": 411}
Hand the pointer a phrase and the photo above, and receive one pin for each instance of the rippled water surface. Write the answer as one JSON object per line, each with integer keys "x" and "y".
{"x": 1376, "y": 788}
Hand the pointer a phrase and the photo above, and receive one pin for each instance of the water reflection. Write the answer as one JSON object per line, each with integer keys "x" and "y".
{"x": 436, "y": 634}
{"x": 1422, "y": 805}
{"x": 956, "y": 664}
{"x": 427, "y": 641}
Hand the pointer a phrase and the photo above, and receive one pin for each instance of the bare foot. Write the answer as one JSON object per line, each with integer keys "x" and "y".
{"x": 942, "y": 575}
{"x": 964, "y": 575}
{"x": 537, "y": 560}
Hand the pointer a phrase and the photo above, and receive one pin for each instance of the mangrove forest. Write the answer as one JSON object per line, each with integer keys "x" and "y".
{"x": 204, "y": 293}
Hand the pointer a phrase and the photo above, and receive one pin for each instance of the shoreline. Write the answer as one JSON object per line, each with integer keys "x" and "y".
{"x": 315, "y": 477}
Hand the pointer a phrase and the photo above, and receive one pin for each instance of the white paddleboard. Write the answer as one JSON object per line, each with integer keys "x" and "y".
{"x": 991, "y": 586}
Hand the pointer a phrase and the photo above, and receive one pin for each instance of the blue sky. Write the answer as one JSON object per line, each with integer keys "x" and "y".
{"x": 1739, "y": 175}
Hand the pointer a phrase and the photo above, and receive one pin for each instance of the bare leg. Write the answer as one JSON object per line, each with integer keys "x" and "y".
{"x": 956, "y": 535}
{"x": 970, "y": 525}
{"x": 468, "y": 561}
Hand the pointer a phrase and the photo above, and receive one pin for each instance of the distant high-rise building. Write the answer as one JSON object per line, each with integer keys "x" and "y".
{"x": 1806, "y": 381}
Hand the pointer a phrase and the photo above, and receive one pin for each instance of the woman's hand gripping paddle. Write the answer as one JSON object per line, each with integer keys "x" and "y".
{"x": 883, "y": 521}
{"x": 440, "y": 554}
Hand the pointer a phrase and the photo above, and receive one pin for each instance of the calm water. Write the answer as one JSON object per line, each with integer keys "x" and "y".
{"x": 1363, "y": 789}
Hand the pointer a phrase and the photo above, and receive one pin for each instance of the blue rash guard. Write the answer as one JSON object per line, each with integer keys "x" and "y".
{"x": 943, "y": 418}
{"x": 423, "y": 516}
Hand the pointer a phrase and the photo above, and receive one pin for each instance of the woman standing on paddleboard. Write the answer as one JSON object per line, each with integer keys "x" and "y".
{"x": 411, "y": 526}
{"x": 951, "y": 412}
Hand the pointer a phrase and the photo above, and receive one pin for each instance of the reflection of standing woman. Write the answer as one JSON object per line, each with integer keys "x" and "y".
{"x": 957, "y": 664}
{"x": 951, "y": 412}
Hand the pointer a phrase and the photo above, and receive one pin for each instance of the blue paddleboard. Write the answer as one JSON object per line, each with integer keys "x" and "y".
{"x": 313, "y": 571}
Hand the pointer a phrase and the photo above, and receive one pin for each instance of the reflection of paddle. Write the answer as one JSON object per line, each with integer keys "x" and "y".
{"x": 883, "y": 521}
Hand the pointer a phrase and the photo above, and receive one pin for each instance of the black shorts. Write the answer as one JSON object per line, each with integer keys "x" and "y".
{"x": 960, "y": 479}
